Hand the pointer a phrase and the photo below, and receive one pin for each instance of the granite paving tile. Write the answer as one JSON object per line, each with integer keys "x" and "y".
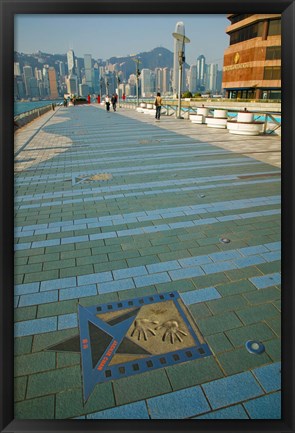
{"x": 179, "y": 404}
{"x": 54, "y": 381}
{"x": 137, "y": 410}
{"x": 20, "y": 386}
{"x": 140, "y": 387}
{"x": 269, "y": 376}
{"x": 219, "y": 323}
{"x": 240, "y": 360}
{"x": 35, "y": 326}
{"x": 36, "y": 408}
{"x": 255, "y": 331}
{"x": 256, "y": 314}
{"x": 231, "y": 390}
{"x": 266, "y": 407}
{"x": 232, "y": 412}
{"x": 219, "y": 343}
{"x": 200, "y": 295}
{"x": 70, "y": 403}
{"x": 193, "y": 373}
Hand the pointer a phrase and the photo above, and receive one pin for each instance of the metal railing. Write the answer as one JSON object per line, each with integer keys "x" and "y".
{"x": 27, "y": 116}
{"x": 170, "y": 109}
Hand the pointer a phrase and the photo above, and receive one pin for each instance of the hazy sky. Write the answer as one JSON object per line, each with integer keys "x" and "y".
{"x": 105, "y": 36}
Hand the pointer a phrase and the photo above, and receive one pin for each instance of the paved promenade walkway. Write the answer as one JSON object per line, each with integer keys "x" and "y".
{"x": 115, "y": 210}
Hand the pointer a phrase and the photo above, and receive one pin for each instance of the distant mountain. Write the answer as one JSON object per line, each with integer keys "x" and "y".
{"x": 157, "y": 58}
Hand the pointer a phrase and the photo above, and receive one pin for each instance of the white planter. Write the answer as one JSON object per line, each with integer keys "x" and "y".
{"x": 139, "y": 110}
{"x": 245, "y": 117}
{"x": 142, "y": 104}
{"x": 149, "y": 105}
{"x": 213, "y": 122}
{"x": 254, "y": 128}
{"x": 197, "y": 118}
{"x": 220, "y": 113}
{"x": 203, "y": 111}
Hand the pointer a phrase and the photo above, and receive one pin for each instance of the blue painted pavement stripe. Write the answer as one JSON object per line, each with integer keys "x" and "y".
{"x": 158, "y": 272}
{"x": 232, "y": 412}
{"x": 181, "y": 274}
{"x": 179, "y": 404}
{"x": 124, "y": 233}
{"x": 136, "y": 170}
{"x": 23, "y": 289}
{"x": 230, "y": 390}
{"x": 266, "y": 280}
{"x": 38, "y": 298}
{"x": 266, "y": 407}
{"x": 67, "y": 321}
{"x": 200, "y": 295}
{"x": 137, "y": 410}
{"x": 269, "y": 376}
{"x": 144, "y": 193}
{"x": 124, "y": 187}
{"x": 110, "y": 160}
{"x": 116, "y": 286}
{"x": 59, "y": 283}
{"x": 77, "y": 292}
{"x": 110, "y": 220}
{"x": 36, "y": 326}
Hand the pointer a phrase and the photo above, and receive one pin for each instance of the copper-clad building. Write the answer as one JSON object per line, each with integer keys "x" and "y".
{"x": 252, "y": 62}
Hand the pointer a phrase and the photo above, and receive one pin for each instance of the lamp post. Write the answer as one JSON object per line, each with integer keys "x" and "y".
{"x": 181, "y": 59}
{"x": 100, "y": 86}
{"x": 137, "y": 61}
{"x": 118, "y": 85}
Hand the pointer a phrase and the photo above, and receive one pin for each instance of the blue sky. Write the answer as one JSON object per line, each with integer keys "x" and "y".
{"x": 105, "y": 36}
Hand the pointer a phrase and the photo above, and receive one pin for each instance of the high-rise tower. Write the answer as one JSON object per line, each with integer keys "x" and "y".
{"x": 201, "y": 66}
{"x": 71, "y": 62}
{"x": 178, "y": 46}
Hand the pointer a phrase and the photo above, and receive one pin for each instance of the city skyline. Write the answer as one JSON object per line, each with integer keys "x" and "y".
{"x": 98, "y": 35}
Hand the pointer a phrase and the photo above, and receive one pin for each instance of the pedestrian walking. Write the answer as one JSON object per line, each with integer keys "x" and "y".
{"x": 107, "y": 102}
{"x": 158, "y": 103}
{"x": 114, "y": 102}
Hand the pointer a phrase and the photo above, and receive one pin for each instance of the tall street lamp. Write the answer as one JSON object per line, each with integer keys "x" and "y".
{"x": 181, "y": 59}
{"x": 118, "y": 85}
{"x": 137, "y": 61}
{"x": 100, "y": 85}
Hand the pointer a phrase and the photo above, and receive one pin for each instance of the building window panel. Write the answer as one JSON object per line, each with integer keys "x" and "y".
{"x": 246, "y": 33}
{"x": 239, "y": 18}
{"x": 273, "y": 53}
{"x": 274, "y": 27}
{"x": 272, "y": 73}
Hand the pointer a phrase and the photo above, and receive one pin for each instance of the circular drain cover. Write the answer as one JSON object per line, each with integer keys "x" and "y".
{"x": 255, "y": 347}
{"x": 224, "y": 240}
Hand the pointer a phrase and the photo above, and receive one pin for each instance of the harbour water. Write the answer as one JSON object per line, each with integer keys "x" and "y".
{"x": 22, "y": 107}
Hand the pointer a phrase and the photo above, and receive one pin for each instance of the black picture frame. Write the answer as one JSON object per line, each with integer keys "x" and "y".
{"x": 8, "y": 8}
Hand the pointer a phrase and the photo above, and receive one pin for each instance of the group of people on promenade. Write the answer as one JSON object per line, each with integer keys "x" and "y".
{"x": 158, "y": 103}
{"x": 113, "y": 101}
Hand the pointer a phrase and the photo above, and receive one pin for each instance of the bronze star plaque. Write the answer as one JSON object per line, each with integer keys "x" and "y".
{"x": 130, "y": 337}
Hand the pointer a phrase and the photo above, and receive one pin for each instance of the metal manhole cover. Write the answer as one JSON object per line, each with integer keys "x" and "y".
{"x": 120, "y": 339}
